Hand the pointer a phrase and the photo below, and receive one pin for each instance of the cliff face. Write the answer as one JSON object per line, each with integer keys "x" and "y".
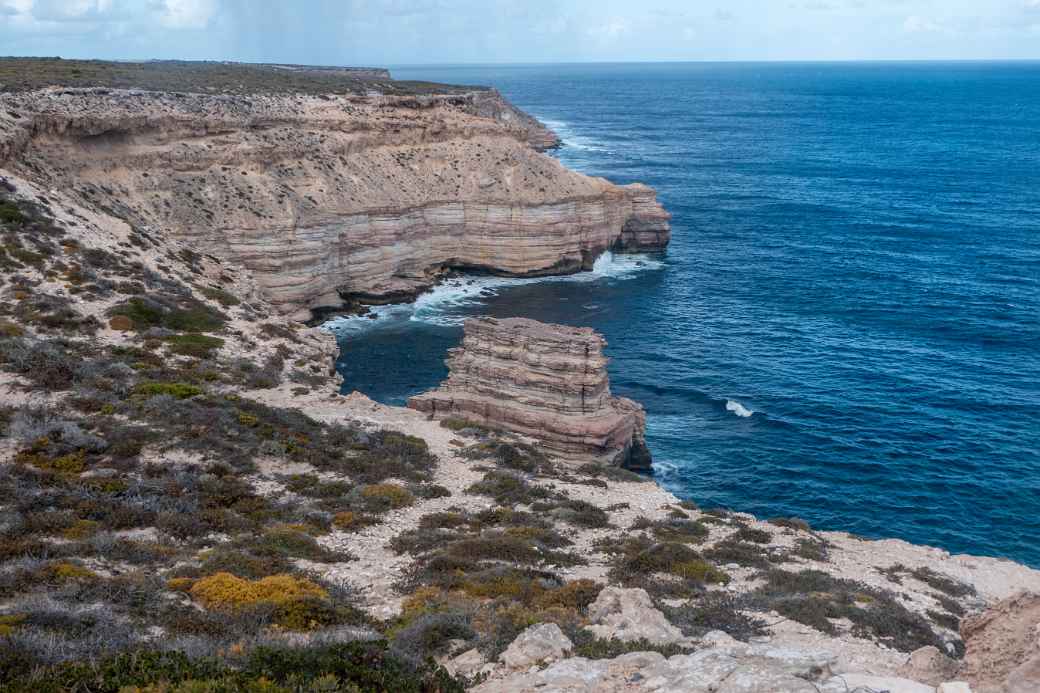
{"x": 330, "y": 199}
{"x": 548, "y": 382}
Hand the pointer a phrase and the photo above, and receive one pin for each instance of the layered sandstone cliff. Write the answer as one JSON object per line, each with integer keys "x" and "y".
{"x": 331, "y": 199}
{"x": 548, "y": 382}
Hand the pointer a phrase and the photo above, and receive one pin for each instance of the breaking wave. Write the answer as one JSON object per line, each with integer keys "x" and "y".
{"x": 444, "y": 304}
{"x": 738, "y": 409}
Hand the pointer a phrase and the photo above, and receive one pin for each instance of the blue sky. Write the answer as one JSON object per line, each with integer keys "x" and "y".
{"x": 387, "y": 32}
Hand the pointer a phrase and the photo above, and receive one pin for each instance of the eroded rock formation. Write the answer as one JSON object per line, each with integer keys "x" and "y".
{"x": 332, "y": 200}
{"x": 548, "y": 382}
{"x": 1003, "y": 646}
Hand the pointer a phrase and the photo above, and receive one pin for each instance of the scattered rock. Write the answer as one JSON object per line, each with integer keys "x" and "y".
{"x": 541, "y": 643}
{"x": 629, "y": 614}
{"x": 929, "y": 665}
{"x": 466, "y": 664}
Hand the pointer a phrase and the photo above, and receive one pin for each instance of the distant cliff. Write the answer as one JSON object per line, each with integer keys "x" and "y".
{"x": 331, "y": 199}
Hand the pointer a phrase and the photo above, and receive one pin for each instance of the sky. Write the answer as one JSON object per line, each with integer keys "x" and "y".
{"x": 397, "y": 32}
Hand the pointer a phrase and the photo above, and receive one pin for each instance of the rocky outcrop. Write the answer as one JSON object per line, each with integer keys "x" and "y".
{"x": 720, "y": 664}
{"x": 1002, "y": 647}
{"x": 538, "y": 644}
{"x": 729, "y": 668}
{"x": 331, "y": 200}
{"x": 548, "y": 382}
{"x": 629, "y": 615}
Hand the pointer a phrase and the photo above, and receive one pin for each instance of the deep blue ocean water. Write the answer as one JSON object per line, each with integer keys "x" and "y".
{"x": 856, "y": 260}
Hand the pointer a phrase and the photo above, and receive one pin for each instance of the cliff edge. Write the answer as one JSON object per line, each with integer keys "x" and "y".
{"x": 332, "y": 199}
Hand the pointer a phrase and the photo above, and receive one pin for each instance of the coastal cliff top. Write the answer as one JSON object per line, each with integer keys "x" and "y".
{"x": 205, "y": 77}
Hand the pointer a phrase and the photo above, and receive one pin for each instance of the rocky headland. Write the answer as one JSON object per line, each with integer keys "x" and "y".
{"x": 188, "y": 503}
{"x": 547, "y": 382}
{"x": 332, "y": 200}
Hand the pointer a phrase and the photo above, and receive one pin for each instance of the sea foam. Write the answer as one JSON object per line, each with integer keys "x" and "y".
{"x": 738, "y": 409}
{"x": 443, "y": 304}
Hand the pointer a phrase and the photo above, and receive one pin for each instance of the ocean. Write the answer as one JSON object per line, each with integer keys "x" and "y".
{"x": 846, "y": 327}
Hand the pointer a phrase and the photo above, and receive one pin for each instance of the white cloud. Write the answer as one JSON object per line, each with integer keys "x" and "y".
{"x": 610, "y": 30}
{"x": 187, "y": 14}
{"x": 915, "y": 24}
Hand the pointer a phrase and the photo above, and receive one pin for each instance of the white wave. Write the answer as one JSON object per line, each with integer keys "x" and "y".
{"x": 439, "y": 305}
{"x": 572, "y": 139}
{"x": 738, "y": 409}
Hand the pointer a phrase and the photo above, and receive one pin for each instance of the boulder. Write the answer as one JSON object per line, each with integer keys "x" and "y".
{"x": 538, "y": 644}
{"x": 466, "y": 664}
{"x": 628, "y": 615}
{"x": 929, "y": 665}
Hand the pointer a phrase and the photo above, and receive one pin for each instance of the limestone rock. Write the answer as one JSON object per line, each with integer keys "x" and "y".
{"x": 743, "y": 669}
{"x": 1002, "y": 647}
{"x": 331, "y": 200}
{"x": 954, "y": 687}
{"x": 465, "y": 664}
{"x": 545, "y": 381}
{"x": 864, "y": 682}
{"x": 541, "y": 643}
{"x": 629, "y": 614}
{"x": 929, "y": 665}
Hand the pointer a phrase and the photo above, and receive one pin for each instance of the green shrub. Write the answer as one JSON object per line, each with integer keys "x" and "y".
{"x": 753, "y": 535}
{"x": 679, "y": 530}
{"x": 715, "y": 611}
{"x": 581, "y": 514}
{"x": 10, "y": 214}
{"x": 741, "y": 553}
{"x": 222, "y": 297}
{"x": 812, "y": 549}
{"x": 382, "y": 497}
{"x": 795, "y": 523}
{"x": 508, "y": 488}
{"x": 588, "y": 646}
{"x": 197, "y": 345}
{"x": 178, "y": 390}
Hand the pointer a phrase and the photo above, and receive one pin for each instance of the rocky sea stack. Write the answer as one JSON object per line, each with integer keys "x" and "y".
{"x": 547, "y": 382}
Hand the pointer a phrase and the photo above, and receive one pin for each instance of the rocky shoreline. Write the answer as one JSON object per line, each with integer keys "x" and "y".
{"x": 183, "y": 487}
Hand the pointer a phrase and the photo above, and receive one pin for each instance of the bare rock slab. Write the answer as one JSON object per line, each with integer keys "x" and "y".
{"x": 547, "y": 382}
{"x": 628, "y": 615}
{"x": 538, "y": 644}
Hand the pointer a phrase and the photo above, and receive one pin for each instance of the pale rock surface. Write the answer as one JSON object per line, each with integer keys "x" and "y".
{"x": 629, "y": 614}
{"x": 863, "y": 683}
{"x": 548, "y": 382}
{"x": 465, "y": 664}
{"x": 954, "y": 687}
{"x": 544, "y": 642}
{"x": 730, "y": 669}
{"x": 929, "y": 665}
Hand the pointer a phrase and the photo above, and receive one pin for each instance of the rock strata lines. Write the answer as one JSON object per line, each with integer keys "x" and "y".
{"x": 548, "y": 382}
